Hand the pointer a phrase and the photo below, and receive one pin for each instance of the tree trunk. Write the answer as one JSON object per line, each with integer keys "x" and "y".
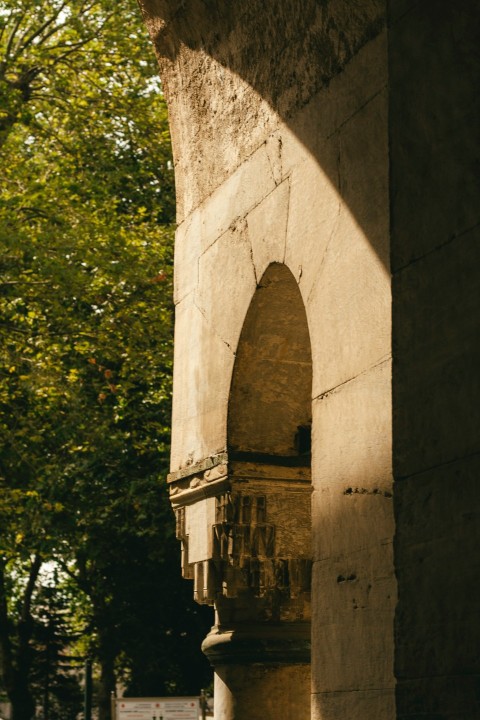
{"x": 15, "y": 665}
{"x": 23, "y": 704}
{"x": 107, "y": 684}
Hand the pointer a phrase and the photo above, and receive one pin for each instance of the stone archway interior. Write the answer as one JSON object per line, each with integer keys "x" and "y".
{"x": 270, "y": 399}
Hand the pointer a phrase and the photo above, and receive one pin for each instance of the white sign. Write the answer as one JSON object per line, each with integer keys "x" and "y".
{"x": 175, "y": 708}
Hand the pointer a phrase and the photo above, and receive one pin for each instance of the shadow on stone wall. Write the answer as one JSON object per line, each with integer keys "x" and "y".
{"x": 285, "y": 52}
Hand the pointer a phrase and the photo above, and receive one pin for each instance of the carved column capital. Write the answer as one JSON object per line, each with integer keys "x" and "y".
{"x": 245, "y": 529}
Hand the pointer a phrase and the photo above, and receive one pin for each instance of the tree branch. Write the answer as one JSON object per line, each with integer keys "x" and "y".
{"x": 11, "y": 38}
{"x": 24, "y": 45}
{"x": 32, "y": 581}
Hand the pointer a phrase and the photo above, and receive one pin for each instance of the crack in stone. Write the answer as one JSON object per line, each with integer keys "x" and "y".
{"x": 325, "y": 252}
{"x": 357, "y": 111}
{"x": 436, "y": 249}
{"x": 210, "y": 325}
{"x": 326, "y": 393}
{"x": 287, "y": 222}
{"x": 400, "y": 478}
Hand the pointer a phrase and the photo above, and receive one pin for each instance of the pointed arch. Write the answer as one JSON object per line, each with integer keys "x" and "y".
{"x": 269, "y": 409}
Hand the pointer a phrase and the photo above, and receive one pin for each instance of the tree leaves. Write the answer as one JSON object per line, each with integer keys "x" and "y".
{"x": 86, "y": 236}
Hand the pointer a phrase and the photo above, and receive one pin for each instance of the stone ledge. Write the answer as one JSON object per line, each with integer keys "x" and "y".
{"x": 200, "y": 467}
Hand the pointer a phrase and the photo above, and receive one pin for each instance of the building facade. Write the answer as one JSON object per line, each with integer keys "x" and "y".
{"x": 325, "y": 421}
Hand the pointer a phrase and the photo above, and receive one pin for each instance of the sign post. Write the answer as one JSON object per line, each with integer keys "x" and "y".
{"x": 167, "y": 708}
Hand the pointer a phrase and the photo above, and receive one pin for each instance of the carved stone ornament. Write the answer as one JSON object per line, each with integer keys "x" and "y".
{"x": 244, "y": 528}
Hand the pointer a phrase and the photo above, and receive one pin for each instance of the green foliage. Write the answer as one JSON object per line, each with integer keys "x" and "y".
{"x": 55, "y": 672}
{"x": 86, "y": 235}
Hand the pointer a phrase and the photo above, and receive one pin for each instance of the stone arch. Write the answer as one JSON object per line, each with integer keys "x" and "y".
{"x": 299, "y": 180}
{"x": 270, "y": 399}
{"x": 309, "y": 124}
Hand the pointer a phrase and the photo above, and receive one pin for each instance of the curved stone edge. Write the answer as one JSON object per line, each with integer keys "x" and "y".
{"x": 268, "y": 645}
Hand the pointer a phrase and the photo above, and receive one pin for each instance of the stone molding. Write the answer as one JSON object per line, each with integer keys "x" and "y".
{"x": 267, "y": 643}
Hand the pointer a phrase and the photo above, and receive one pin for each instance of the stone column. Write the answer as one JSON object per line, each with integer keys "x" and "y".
{"x": 244, "y": 525}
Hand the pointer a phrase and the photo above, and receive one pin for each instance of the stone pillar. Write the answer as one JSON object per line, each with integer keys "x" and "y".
{"x": 245, "y": 532}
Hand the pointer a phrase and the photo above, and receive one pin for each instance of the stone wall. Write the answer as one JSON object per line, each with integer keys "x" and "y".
{"x": 434, "y": 174}
{"x": 309, "y": 136}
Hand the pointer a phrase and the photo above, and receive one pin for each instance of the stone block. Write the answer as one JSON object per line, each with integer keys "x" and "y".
{"x": 273, "y": 691}
{"x": 397, "y": 9}
{"x": 218, "y": 134}
{"x": 293, "y": 151}
{"x": 203, "y": 365}
{"x": 347, "y": 93}
{"x": 437, "y": 356}
{"x": 355, "y": 704}
{"x": 274, "y": 148}
{"x": 352, "y": 622}
{"x": 361, "y": 579}
{"x": 348, "y": 309}
{"x": 433, "y": 115}
{"x": 439, "y": 503}
{"x": 351, "y": 519}
{"x": 226, "y": 284}
{"x": 200, "y": 517}
{"x": 438, "y": 698}
{"x": 355, "y": 660}
{"x": 313, "y": 215}
{"x": 363, "y": 173}
{"x": 239, "y": 193}
{"x": 437, "y": 566}
{"x": 188, "y": 241}
{"x": 267, "y": 228}
{"x": 352, "y": 434}
{"x": 309, "y": 131}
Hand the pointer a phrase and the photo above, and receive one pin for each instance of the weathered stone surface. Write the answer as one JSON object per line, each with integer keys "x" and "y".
{"x": 226, "y": 270}
{"x": 271, "y": 691}
{"x": 267, "y": 228}
{"x": 437, "y": 354}
{"x": 360, "y": 704}
{"x": 434, "y": 158}
{"x": 199, "y": 413}
{"x": 352, "y": 434}
{"x": 434, "y": 119}
{"x": 271, "y": 385}
{"x": 297, "y": 141}
{"x": 303, "y": 45}
{"x": 352, "y": 620}
{"x": 188, "y": 248}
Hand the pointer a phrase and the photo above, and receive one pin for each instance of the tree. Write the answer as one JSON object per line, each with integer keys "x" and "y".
{"x": 55, "y": 671}
{"x": 86, "y": 213}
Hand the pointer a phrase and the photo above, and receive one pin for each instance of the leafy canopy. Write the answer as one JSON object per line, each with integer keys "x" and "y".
{"x": 86, "y": 231}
